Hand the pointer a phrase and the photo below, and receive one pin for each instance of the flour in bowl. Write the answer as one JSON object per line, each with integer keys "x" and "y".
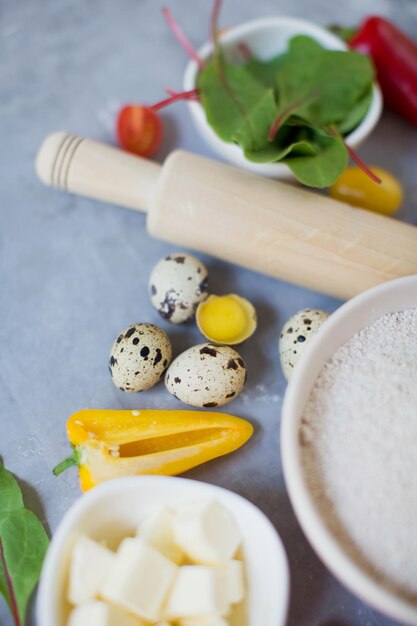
{"x": 359, "y": 448}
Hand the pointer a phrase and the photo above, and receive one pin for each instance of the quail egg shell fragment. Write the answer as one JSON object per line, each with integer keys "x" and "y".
{"x": 296, "y": 336}
{"x": 178, "y": 283}
{"x": 226, "y": 319}
{"x": 206, "y": 375}
{"x": 139, "y": 357}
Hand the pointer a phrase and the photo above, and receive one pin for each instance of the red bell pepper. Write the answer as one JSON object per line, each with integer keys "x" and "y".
{"x": 395, "y": 58}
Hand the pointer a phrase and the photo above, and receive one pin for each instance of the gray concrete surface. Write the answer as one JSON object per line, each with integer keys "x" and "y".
{"x": 74, "y": 272}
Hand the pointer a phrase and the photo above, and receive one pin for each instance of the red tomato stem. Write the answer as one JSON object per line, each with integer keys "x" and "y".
{"x": 173, "y": 92}
{"x": 183, "y": 95}
{"x": 181, "y": 37}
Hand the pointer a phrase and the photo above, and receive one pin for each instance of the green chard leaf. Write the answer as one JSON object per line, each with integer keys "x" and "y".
{"x": 357, "y": 113}
{"x": 10, "y": 494}
{"x": 315, "y": 158}
{"x": 323, "y": 168}
{"x": 265, "y": 72}
{"x": 23, "y": 544}
{"x": 238, "y": 107}
{"x": 321, "y": 86}
{"x": 305, "y": 92}
{"x": 289, "y": 140}
{"x": 272, "y": 153}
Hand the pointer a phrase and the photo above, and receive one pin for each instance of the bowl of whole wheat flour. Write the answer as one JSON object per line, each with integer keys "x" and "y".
{"x": 349, "y": 446}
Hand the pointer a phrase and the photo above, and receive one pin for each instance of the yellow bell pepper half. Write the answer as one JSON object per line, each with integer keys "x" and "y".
{"x": 111, "y": 444}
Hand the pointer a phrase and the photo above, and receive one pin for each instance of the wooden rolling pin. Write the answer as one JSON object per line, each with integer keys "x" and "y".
{"x": 277, "y": 229}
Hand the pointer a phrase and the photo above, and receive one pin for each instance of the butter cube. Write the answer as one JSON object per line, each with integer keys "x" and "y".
{"x": 157, "y": 531}
{"x": 90, "y": 563}
{"x": 139, "y": 580}
{"x": 207, "y": 532}
{"x": 101, "y": 614}
{"x": 198, "y": 591}
{"x": 235, "y": 581}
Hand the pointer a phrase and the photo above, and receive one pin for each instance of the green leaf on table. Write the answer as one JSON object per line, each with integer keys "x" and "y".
{"x": 10, "y": 494}
{"x": 23, "y": 544}
{"x": 321, "y": 86}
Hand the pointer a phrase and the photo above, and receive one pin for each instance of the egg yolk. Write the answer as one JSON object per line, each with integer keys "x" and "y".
{"x": 223, "y": 318}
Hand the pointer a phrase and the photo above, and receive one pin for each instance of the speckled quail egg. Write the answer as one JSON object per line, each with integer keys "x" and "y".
{"x": 296, "y": 335}
{"x": 139, "y": 357}
{"x": 206, "y": 375}
{"x": 178, "y": 283}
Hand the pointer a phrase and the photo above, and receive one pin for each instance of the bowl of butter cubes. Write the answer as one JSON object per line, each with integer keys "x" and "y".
{"x": 164, "y": 551}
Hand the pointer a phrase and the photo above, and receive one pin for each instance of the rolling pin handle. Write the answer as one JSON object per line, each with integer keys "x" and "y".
{"x": 54, "y": 159}
{"x": 96, "y": 170}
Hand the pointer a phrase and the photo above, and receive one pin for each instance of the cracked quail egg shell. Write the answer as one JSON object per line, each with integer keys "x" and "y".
{"x": 226, "y": 319}
{"x": 206, "y": 375}
{"x": 139, "y": 357}
{"x": 177, "y": 284}
{"x": 296, "y": 336}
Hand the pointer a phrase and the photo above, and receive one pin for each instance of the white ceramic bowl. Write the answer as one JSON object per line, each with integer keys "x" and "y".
{"x": 113, "y": 510}
{"x": 266, "y": 38}
{"x": 359, "y": 312}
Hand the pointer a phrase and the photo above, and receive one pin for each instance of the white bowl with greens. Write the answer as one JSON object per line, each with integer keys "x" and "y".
{"x": 346, "y": 99}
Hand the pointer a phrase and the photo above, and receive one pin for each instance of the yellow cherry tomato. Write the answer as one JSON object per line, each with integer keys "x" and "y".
{"x": 355, "y": 187}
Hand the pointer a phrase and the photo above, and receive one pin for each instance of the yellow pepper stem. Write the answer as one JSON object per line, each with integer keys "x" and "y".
{"x": 71, "y": 461}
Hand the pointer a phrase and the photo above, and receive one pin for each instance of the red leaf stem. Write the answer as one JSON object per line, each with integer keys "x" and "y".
{"x": 365, "y": 169}
{"x": 245, "y": 51}
{"x": 9, "y": 583}
{"x": 184, "y": 95}
{"x": 181, "y": 37}
{"x": 280, "y": 118}
{"x": 288, "y": 110}
{"x": 218, "y": 58}
{"x": 214, "y": 20}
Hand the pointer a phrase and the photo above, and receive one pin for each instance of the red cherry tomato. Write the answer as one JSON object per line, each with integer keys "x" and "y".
{"x": 139, "y": 130}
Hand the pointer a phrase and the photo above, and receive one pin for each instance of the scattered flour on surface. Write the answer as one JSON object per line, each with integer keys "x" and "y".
{"x": 359, "y": 449}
